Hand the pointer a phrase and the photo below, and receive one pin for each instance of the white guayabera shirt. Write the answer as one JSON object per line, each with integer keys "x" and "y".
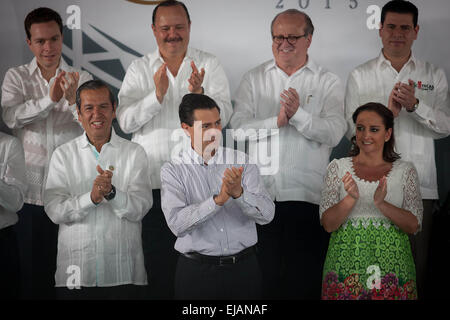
{"x": 152, "y": 124}
{"x": 12, "y": 179}
{"x": 305, "y": 144}
{"x": 414, "y": 132}
{"x": 103, "y": 240}
{"x": 39, "y": 123}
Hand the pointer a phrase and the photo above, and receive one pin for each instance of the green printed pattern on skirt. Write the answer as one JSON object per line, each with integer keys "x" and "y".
{"x": 356, "y": 253}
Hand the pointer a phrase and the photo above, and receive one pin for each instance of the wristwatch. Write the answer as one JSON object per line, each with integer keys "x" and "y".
{"x": 111, "y": 194}
{"x": 415, "y": 106}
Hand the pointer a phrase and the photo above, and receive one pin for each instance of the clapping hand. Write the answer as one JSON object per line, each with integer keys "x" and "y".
{"x": 380, "y": 192}
{"x": 102, "y": 185}
{"x": 196, "y": 79}
{"x": 350, "y": 186}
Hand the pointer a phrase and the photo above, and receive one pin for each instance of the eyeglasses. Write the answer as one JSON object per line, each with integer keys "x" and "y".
{"x": 290, "y": 39}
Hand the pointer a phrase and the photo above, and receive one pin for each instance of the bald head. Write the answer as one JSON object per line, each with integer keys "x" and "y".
{"x": 309, "y": 27}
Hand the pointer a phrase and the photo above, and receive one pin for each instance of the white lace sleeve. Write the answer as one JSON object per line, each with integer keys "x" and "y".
{"x": 330, "y": 191}
{"x": 412, "y": 199}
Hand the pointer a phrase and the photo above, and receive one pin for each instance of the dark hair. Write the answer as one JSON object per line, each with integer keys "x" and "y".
{"x": 387, "y": 116}
{"x": 400, "y": 6}
{"x": 192, "y": 102}
{"x": 309, "y": 28}
{"x": 93, "y": 85}
{"x": 41, "y": 15}
{"x": 170, "y": 3}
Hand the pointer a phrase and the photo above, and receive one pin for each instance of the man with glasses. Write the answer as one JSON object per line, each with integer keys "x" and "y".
{"x": 148, "y": 108}
{"x": 304, "y": 102}
{"x": 417, "y": 93}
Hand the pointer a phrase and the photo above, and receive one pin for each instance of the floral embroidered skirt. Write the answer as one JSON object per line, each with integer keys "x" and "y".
{"x": 369, "y": 261}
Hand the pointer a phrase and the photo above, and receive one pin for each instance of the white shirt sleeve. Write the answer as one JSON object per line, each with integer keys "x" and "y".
{"x": 12, "y": 178}
{"x": 244, "y": 116}
{"x": 352, "y": 102}
{"x": 329, "y": 126}
{"x": 19, "y": 110}
{"x": 216, "y": 86}
{"x": 134, "y": 201}
{"x": 436, "y": 117}
{"x": 59, "y": 204}
{"x": 137, "y": 100}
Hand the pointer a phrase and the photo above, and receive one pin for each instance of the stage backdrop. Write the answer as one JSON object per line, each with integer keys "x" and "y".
{"x": 104, "y": 36}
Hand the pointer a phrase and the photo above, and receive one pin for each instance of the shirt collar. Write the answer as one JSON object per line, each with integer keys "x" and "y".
{"x": 310, "y": 65}
{"x": 189, "y": 55}
{"x": 113, "y": 140}
{"x": 382, "y": 61}
{"x": 190, "y": 156}
{"x": 33, "y": 66}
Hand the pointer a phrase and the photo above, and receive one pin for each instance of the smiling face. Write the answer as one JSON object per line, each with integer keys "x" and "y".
{"x": 46, "y": 44}
{"x": 96, "y": 114}
{"x": 398, "y": 34}
{"x": 286, "y": 54}
{"x": 371, "y": 133}
{"x": 206, "y": 132}
{"x": 171, "y": 31}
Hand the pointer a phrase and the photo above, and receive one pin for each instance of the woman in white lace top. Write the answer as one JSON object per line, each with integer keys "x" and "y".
{"x": 370, "y": 202}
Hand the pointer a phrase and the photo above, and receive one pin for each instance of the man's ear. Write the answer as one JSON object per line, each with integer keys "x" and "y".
{"x": 185, "y": 127}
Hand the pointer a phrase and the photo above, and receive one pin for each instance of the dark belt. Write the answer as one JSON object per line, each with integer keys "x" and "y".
{"x": 221, "y": 260}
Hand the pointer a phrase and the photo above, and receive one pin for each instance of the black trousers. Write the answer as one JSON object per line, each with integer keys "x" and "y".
{"x": 292, "y": 250}
{"x": 160, "y": 257}
{"x": 9, "y": 264}
{"x": 123, "y": 292}
{"x": 195, "y": 280}
{"x": 38, "y": 240}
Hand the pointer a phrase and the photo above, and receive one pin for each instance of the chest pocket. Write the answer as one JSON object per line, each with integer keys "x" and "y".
{"x": 311, "y": 103}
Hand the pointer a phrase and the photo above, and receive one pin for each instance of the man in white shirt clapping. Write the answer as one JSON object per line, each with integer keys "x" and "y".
{"x": 304, "y": 102}
{"x": 38, "y": 105}
{"x": 417, "y": 93}
{"x": 98, "y": 190}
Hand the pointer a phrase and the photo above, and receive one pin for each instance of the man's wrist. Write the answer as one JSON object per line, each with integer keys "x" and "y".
{"x": 414, "y": 107}
{"x": 219, "y": 201}
{"x": 239, "y": 194}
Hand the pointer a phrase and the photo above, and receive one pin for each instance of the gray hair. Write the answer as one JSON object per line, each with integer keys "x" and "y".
{"x": 309, "y": 28}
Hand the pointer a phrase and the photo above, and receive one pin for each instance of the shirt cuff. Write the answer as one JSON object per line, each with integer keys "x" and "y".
{"x": 49, "y": 105}
{"x": 154, "y": 107}
{"x": 85, "y": 202}
{"x": 423, "y": 111}
{"x": 246, "y": 201}
{"x": 300, "y": 118}
{"x": 271, "y": 123}
{"x": 119, "y": 203}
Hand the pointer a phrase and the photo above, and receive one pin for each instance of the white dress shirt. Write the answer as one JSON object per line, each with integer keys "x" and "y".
{"x": 152, "y": 123}
{"x": 187, "y": 190}
{"x": 39, "y": 123}
{"x": 12, "y": 179}
{"x": 306, "y": 142}
{"x": 414, "y": 132}
{"x": 104, "y": 240}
